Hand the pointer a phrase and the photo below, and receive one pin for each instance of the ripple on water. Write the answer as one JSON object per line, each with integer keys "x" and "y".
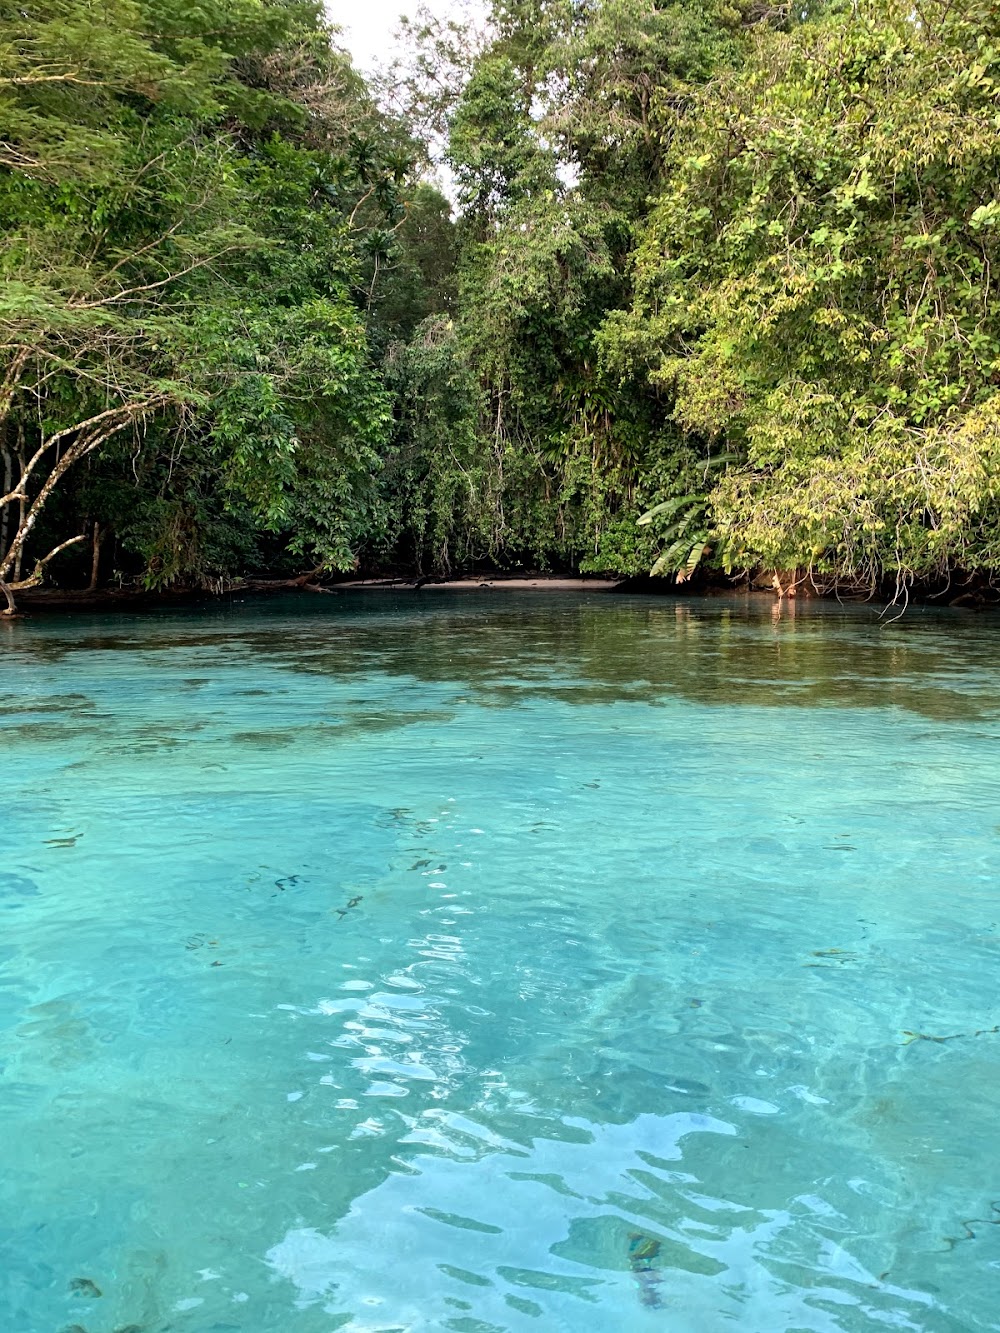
{"x": 575, "y": 964}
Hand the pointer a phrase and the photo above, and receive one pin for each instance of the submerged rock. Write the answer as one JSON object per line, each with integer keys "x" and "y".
{"x": 84, "y": 1286}
{"x": 14, "y": 888}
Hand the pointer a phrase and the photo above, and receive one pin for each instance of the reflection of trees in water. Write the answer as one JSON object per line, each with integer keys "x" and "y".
{"x": 596, "y": 648}
{"x": 750, "y": 651}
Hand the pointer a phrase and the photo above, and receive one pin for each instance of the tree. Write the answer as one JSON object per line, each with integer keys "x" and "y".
{"x": 814, "y": 288}
{"x": 180, "y": 193}
{"x": 556, "y": 140}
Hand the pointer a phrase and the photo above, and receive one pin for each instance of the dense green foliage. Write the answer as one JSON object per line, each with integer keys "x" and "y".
{"x": 192, "y": 199}
{"x": 814, "y": 288}
{"x": 716, "y": 291}
{"x": 557, "y": 137}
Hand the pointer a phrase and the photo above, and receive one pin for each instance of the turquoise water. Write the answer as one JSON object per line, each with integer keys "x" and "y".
{"x": 473, "y": 963}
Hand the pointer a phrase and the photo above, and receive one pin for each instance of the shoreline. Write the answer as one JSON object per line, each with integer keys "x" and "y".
{"x": 47, "y": 599}
{"x": 68, "y": 599}
{"x": 497, "y": 583}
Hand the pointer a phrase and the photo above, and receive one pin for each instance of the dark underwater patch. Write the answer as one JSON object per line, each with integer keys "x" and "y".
{"x": 15, "y": 888}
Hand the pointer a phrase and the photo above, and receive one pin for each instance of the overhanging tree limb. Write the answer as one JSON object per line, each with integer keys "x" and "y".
{"x": 36, "y": 577}
{"x": 90, "y": 435}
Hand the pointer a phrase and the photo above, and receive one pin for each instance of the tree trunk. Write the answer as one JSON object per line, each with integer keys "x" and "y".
{"x": 11, "y": 607}
{"x": 8, "y": 477}
{"x": 786, "y": 582}
{"x": 22, "y": 515}
{"x": 95, "y": 562}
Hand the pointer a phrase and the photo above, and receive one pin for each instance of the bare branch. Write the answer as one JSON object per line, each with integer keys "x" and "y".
{"x": 364, "y": 198}
{"x": 86, "y": 442}
{"x": 72, "y": 541}
{"x": 27, "y": 80}
{"x": 152, "y": 286}
{"x": 144, "y": 249}
{"x": 39, "y": 571}
{"x": 75, "y": 429}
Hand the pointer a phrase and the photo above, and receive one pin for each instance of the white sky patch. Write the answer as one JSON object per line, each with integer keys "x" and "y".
{"x": 369, "y": 26}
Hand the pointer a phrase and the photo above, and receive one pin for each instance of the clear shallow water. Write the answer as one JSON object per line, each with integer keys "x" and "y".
{"x": 491, "y": 963}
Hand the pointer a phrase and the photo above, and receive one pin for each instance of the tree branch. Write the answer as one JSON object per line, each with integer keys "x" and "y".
{"x": 84, "y": 444}
{"x": 76, "y": 429}
{"x": 27, "y": 80}
{"x": 364, "y": 198}
{"x": 36, "y": 577}
{"x": 152, "y": 286}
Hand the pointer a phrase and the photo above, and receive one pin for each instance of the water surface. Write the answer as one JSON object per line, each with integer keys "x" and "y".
{"x": 487, "y": 962}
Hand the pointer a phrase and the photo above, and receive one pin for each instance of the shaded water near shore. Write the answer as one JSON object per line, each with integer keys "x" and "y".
{"x": 523, "y": 962}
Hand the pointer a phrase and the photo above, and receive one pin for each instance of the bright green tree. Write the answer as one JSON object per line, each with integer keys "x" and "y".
{"x": 814, "y": 292}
